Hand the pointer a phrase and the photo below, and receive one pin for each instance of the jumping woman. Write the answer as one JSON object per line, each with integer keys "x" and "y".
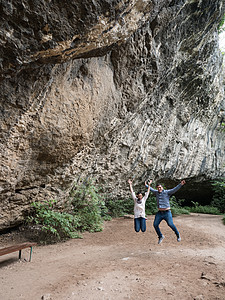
{"x": 139, "y": 207}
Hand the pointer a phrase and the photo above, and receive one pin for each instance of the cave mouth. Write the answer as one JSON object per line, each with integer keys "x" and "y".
{"x": 201, "y": 192}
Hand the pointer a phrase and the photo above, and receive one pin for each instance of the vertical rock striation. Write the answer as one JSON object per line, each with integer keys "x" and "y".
{"x": 111, "y": 90}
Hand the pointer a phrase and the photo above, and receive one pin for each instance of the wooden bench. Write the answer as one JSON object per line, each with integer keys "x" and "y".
{"x": 17, "y": 247}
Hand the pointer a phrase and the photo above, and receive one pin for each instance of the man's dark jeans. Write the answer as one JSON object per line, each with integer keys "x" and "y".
{"x": 167, "y": 216}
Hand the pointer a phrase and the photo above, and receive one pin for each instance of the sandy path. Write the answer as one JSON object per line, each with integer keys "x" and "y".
{"x": 121, "y": 264}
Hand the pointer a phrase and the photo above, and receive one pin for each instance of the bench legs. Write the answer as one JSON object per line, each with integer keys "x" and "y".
{"x": 30, "y": 253}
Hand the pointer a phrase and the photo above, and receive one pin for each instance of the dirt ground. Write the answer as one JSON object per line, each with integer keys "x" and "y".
{"x": 119, "y": 263}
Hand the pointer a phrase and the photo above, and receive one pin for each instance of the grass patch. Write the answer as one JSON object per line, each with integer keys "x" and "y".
{"x": 206, "y": 209}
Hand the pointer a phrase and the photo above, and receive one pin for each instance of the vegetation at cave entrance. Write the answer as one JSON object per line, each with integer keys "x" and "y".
{"x": 88, "y": 207}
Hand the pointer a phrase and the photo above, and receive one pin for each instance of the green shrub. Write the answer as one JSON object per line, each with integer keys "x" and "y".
{"x": 88, "y": 206}
{"x": 221, "y": 25}
{"x": 179, "y": 211}
{"x": 119, "y": 207}
{"x": 151, "y": 205}
{"x": 176, "y": 203}
{"x": 219, "y": 194}
{"x": 176, "y": 206}
{"x": 53, "y": 224}
{"x": 87, "y": 211}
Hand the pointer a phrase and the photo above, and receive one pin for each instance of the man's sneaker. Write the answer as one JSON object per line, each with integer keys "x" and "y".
{"x": 161, "y": 239}
{"x": 178, "y": 238}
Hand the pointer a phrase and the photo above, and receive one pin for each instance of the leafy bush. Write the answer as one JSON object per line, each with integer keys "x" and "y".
{"x": 219, "y": 194}
{"x": 179, "y": 211}
{"x": 87, "y": 212}
{"x": 176, "y": 206}
{"x": 221, "y": 25}
{"x": 88, "y": 206}
{"x": 53, "y": 225}
{"x": 151, "y": 205}
{"x": 118, "y": 207}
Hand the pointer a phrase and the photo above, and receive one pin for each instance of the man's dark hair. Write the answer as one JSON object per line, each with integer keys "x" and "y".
{"x": 157, "y": 184}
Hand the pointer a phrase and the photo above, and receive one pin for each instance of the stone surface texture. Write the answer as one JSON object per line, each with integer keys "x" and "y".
{"x": 109, "y": 90}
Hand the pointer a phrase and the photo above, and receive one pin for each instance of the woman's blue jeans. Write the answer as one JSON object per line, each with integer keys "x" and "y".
{"x": 167, "y": 216}
{"x": 140, "y": 223}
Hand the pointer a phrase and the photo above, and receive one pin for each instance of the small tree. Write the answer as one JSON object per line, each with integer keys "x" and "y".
{"x": 88, "y": 205}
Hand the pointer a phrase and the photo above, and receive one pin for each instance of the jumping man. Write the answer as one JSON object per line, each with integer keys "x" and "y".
{"x": 164, "y": 212}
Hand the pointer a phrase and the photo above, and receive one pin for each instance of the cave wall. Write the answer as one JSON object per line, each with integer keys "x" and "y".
{"x": 110, "y": 90}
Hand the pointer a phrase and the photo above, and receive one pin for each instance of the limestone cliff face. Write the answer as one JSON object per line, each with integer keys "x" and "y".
{"x": 110, "y": 90}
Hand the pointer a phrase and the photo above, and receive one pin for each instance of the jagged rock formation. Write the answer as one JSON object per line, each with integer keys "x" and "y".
{"x": 111, "y": 90}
